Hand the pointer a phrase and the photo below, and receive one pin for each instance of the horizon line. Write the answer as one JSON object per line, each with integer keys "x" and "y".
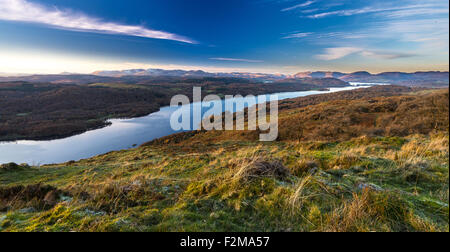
{"x": 7, "y": 74}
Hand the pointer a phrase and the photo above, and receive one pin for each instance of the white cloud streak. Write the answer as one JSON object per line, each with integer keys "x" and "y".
{"x": 416, "y": 12}
{"x": 298, "y": 35}
{"x": 400, "y": 10}
{"x": 237, "y": 60}
{"x": 341, "y": 52}
{"x": 25, "y": 11}
{"x": 337, "y": 52}
{"x": 305, "y": 4}
{"x": 386, "y": 55}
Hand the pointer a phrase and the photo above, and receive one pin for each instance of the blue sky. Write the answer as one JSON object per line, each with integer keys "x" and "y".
{"x": 285, "y": 36}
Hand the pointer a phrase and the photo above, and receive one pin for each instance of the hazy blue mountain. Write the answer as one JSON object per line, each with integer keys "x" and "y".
{"x": 431, "y": 78}
{"x": 185, "y": 73}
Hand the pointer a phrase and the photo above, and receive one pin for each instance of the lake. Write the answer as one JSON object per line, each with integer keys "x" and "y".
{"x": 121, "y": 134}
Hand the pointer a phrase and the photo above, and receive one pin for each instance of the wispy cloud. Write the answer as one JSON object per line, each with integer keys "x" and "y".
{"x": 298, "y": 35}
{"x": 416, "y": 12}
{"x": 25, "y": 11}
{"x": 307, "y": 3}
{"x": 237, "y": 60}
{"x": 423, "y": 26}
{"x": 432, "y": 33}
{"x": 429, "y": 32}
{"x": 398, "y": 10}
{"x": 340, "y": 52}
{"x": 386, "y": 55}
{"x": 337, "y": 52}
{"x": 321, "y": 38}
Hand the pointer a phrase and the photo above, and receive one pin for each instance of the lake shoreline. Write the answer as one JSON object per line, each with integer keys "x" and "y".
{"x": 107, "y": 123}
{"x": 121, "y": 134}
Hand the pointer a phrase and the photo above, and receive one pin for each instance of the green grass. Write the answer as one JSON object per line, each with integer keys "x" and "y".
{"x": 365, "y": 184}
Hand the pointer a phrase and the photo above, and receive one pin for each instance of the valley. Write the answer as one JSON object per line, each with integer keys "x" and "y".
{"x": 43, "y": 111}
{"x": 372, "y": 159}
{"x": 224, "y": 124}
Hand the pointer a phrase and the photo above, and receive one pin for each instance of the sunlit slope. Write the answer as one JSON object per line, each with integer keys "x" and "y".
{"x": 387, "y": 111}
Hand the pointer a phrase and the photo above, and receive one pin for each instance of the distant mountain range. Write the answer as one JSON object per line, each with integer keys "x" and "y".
{"x": 434, "y": 79}
{"x": 190, "y": 73}
{"x": 417, "y": 78}
{"x": 410, "y": 79}
{"x": 58, "y": 78}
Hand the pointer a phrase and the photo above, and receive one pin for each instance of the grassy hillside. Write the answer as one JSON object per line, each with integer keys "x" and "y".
{"x": 360, "y": 179}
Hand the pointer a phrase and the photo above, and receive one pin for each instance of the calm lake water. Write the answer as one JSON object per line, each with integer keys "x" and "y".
{"x": 122, "y": 134}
